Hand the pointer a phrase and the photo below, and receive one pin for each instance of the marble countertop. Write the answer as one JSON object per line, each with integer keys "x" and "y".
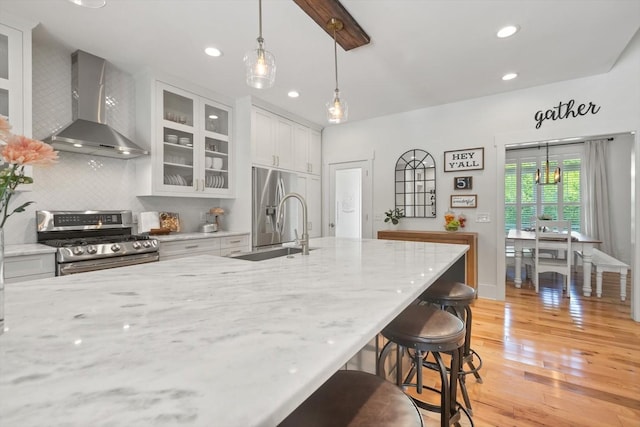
{"x": 190, "y": 236}
{"x": 225, "y": 343}
{"x": 28, "y": 249}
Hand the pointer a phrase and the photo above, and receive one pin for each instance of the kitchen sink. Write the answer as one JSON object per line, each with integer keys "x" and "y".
{"x": 264, "y": 254}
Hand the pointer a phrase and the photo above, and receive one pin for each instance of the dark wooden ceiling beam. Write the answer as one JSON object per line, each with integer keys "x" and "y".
{"x": 321, "y": 11}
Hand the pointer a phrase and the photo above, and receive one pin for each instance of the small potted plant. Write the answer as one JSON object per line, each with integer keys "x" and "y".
{"x": 394, "y": 215}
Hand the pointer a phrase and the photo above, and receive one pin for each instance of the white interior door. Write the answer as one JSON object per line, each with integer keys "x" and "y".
{"x": 350, "y": 200}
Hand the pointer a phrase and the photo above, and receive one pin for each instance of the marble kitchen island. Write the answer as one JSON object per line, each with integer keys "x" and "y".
{"x": 206, "y": 341}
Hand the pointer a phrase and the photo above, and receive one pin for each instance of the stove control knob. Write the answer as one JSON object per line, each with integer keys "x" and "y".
{"x": 92, "y": 249}
{"x": 146, "y": 244}
{"x": 115, "y": 247}
{"x": 78, "y": 250}
{"x": 136, "y": 245}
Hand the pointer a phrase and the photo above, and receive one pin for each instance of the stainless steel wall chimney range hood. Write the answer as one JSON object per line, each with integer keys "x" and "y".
{"x": 88, "y": 133}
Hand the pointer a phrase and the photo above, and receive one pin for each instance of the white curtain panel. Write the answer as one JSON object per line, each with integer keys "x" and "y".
{"x": 596, "y": 194}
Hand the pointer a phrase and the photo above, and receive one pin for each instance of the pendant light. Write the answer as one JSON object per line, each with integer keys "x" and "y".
{"x": 337, "y": 109}
{"x": 556, "y": 174}
{"x": 260, "y": 64}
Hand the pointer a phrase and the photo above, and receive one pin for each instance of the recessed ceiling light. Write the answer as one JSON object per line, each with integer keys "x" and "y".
{"x": 92, "y": 4}
{"x": 212, "y": 51}
{"x": 293, "y": 94}
{"x": 507, "y": 31}
{"x": 509, "y": 76}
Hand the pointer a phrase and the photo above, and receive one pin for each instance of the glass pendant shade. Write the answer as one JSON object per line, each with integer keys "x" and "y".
{"x": 337, "y": 109}
{"x": 260, "y": 66}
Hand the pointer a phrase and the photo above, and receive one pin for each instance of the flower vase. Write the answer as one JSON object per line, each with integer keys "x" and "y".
{"x": 1, "y": 281}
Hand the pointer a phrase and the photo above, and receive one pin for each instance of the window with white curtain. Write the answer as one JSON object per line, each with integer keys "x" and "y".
{"x": 525, "y": 200}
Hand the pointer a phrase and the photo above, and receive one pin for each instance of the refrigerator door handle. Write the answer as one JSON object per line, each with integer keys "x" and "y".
{"x": 280, "y": 214}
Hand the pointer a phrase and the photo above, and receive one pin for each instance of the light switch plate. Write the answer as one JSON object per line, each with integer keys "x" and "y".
{"x": 483, "y": 217}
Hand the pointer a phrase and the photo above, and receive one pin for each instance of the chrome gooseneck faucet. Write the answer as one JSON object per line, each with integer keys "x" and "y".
{"x": 304, "y": 242}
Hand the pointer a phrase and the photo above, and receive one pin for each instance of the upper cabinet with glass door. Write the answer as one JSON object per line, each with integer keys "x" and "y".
{"x": 15, "y": 78}
{"x": 12, "y": 70}
{"x": 178, "y": 157}
{"x": 192, "y": 149}
{"x": 216, "y": 146}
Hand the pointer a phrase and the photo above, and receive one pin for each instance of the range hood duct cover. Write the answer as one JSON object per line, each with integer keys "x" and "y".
{"x": 88, "y": 133}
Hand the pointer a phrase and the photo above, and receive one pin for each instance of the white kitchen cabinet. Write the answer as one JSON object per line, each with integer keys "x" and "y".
{"x": 307, "y": 150}
{"x": 280, "y": 143}
{"x": 309, "y": 187}
{"x": 315, "y": 153}
{"x": 29, "y": 267}
{"x": 198, "y": 245}
{"x": 234, "y": 244}
{"x": 15, "y": 78}
{"x": 191, "y": 247}
{"x": 191, "y": 146}
{"x": 263, "y": 137}
{"x": 284, "y": 143}
{"x": 271, "y": 139}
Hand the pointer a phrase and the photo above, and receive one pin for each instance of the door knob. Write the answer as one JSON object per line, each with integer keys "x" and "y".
{"x": 331, "y": 225}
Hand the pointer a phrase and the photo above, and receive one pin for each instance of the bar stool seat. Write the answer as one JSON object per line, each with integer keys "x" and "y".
{"x": 356, "y": 399}
{"x": 444, "y": 292}
{"x": 456, "y": 298}
{"x": 426, "y": 330}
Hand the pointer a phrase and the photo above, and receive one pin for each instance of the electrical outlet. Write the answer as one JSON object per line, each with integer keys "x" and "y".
{"x": 483, "y": 217}
{"x": 203, "y": 217}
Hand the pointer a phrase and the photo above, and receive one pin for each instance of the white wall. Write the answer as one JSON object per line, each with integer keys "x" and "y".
{"x": 490, "y": 122}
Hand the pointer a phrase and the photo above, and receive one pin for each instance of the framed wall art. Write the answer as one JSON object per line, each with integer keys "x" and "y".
{"x": 463, "y": 183}
{"x": 464, "y": 201}
{"x": 464, "y": 160}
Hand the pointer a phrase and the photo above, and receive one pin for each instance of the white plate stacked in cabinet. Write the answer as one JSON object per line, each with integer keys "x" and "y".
{"x": 224, "y": 243}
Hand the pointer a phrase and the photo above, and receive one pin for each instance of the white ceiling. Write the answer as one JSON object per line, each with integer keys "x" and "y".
{"x": 422, "y": 52}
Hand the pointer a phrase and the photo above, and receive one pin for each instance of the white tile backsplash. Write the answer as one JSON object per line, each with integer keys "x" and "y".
{"x": 51, "y": 88}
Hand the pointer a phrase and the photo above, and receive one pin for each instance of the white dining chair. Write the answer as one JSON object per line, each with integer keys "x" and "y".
{"x": 553, "y": 235}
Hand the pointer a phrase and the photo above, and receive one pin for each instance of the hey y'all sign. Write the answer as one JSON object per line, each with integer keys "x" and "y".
{"x": 464, "y": 160}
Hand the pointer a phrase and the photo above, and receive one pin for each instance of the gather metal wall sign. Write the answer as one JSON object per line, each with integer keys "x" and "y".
{"x": 564, "y": 110}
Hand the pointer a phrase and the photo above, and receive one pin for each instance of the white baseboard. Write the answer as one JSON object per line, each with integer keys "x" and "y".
{"x": 487, "y": 291}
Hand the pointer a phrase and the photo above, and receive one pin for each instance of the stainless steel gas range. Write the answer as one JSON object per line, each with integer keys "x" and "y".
{"x": 93, "y": 240}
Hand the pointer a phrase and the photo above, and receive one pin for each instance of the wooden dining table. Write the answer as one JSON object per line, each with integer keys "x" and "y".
{"x": 580, "y": 242}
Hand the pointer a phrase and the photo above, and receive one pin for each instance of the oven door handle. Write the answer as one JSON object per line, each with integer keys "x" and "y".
{"x": 104, "y": 263}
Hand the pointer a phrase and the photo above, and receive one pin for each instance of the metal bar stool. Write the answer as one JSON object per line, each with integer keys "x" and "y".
{"x": 356, "y": 399}
{"x": 424, "y": 329}
{"x": 456, "y": 298}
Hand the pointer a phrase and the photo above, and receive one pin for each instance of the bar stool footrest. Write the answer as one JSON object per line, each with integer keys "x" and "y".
{"x": 469, "y": 361}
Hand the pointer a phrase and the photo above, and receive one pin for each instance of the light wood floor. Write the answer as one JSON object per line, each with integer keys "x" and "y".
{"x": 550, "y": 360}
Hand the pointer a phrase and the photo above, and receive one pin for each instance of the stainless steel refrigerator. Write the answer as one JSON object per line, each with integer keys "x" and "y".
{"x": 269, "y": 187}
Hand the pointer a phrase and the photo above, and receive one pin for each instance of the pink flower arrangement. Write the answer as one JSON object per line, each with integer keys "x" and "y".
{"x": 17, "y": 152}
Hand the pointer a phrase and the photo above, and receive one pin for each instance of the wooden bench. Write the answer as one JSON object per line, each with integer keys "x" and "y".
{"x": 603, "y": 262}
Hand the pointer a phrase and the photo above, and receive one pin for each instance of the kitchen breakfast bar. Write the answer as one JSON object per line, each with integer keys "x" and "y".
{"x": 205, "y": 340}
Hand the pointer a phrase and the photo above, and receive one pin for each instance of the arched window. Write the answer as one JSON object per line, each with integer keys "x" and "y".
{"x": 415, "y": 183}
